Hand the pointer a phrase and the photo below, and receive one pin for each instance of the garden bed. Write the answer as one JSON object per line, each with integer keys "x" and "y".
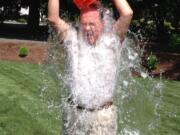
{"x": 37, "y": 51}
{"x": 168, "y": 63}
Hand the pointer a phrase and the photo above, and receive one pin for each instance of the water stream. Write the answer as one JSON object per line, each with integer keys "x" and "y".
{"x": 138, "y": 99}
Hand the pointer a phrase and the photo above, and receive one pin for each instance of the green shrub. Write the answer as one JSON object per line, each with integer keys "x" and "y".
{"x": 175, "y": 41}
{"x": 152, "y": 61}
{"x": 22, "y": 20}
{"x": 23, "y": 51}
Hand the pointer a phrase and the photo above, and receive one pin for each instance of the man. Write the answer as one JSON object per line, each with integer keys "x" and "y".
{"x": 93, "y": 56}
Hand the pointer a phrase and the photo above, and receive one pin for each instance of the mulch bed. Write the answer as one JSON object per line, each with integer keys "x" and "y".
{"x": 169, "y": 63}
{"x": 9, "y": 50}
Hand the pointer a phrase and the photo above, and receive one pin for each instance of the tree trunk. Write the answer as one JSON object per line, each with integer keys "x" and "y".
{"x": 33, "y": 18}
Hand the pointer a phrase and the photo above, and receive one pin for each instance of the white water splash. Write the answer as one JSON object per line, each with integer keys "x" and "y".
{"x": 127, "y": 131}
{"x": 96, "y": 74}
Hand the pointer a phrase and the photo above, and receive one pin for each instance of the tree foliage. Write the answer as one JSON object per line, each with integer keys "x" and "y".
{"x": 154, "y": 19}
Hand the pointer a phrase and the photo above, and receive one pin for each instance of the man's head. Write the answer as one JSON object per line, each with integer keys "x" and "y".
{"x": 91, "y": 24}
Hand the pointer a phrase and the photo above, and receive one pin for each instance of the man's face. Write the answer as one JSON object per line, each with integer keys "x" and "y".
{"x": 91, "y": 25}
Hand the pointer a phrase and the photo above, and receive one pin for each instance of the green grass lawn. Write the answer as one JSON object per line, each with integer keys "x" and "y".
{"x": 30, "y": 99}
{"x": 170, "y": 109}
{"x": 23, "y": 110}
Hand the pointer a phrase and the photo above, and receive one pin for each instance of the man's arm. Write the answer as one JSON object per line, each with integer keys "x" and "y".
{"x": 126, "y": 13}
{"x": 53, "y": 17}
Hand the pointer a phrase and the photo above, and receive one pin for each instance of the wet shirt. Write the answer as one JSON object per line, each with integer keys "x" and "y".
{"x": 92, "y": 69}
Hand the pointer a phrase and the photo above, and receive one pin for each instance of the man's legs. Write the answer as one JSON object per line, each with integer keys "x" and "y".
{"x": 84, "y": 122}
{"x": 105, "y": 121}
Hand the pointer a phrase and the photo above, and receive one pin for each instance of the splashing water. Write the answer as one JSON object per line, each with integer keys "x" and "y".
{"x": 88, "y": 76}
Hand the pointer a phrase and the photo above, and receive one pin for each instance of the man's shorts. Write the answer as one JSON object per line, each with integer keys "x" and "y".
{"x": 85, "y": 122}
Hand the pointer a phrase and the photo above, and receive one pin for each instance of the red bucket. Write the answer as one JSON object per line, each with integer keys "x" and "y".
{"x": 83, "y": 4}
